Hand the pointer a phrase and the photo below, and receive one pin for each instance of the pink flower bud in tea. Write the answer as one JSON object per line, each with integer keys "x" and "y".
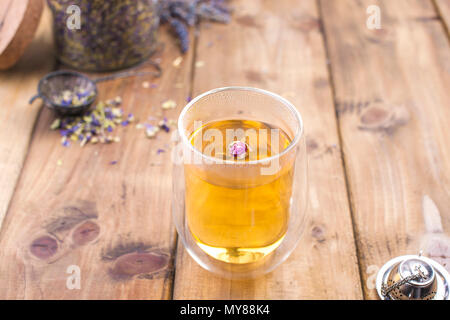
{"x": 238, "y": 149}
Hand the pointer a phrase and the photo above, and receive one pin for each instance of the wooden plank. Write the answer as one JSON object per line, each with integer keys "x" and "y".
{"x": 73, "y": 207}
{"x": 17, "y": 118}
{"x": 392, "y": 98}
{"x": 278, "y": 46}
{"x": 443, "y": 8}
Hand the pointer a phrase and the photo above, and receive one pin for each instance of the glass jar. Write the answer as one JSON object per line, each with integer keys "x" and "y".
{"x": 239, "y": 218}
{"x": 111, "y": 34}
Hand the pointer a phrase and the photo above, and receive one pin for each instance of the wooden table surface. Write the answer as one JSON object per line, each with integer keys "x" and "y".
{"x": 376, "y": 107}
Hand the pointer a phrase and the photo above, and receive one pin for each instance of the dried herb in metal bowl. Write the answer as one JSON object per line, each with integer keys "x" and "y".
{"x": 76, "y": 97}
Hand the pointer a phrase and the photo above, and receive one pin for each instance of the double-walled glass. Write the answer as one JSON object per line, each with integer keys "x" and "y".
{"x": 240, "y": 217}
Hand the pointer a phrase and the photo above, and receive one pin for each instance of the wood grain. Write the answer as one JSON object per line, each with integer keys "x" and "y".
{"x": 443, "y": 7}
{"x": 17, "y": 117}
{"x": 278, "y": 46}
{"x": 392, "y": 99}
{"x": 74, "y": 207}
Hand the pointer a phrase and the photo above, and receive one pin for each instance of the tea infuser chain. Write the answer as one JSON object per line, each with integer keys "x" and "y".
{"x": 385, "y": 290}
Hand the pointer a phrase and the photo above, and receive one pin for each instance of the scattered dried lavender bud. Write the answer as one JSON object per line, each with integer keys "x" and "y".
{"x": 176, "y": 63}
{"x": 55, "y": 124}
{"x": 169, "y": 104}
{"x": 117, "y": 112}
{"x": 146, "y": 84}
{"x": 163, "y": 125}
{"x": 150, "y": 134}
{"x": 83, "y": 142}
{"x": 151, "y": 131}
{"x": 66, "y": 143}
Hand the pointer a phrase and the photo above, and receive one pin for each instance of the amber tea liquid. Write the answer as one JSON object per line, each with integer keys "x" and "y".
{"x": 238, "y": 222}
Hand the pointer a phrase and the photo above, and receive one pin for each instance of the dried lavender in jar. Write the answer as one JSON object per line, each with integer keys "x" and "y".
{"x": 113, "y": 34}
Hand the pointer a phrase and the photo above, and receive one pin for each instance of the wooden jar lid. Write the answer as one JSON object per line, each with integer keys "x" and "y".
{"x": 18, "y": 23}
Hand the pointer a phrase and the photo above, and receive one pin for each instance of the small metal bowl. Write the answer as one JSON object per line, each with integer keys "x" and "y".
{"x": 56, "y": 82}
{"x": 413, "y": 277}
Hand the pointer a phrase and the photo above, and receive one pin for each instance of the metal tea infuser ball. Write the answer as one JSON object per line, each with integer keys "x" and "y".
{"x": 60, "y": 89}
{"x": 413, "y": 277}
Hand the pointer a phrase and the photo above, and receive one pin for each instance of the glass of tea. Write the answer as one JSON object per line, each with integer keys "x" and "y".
{"x": 239, "y": 180}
